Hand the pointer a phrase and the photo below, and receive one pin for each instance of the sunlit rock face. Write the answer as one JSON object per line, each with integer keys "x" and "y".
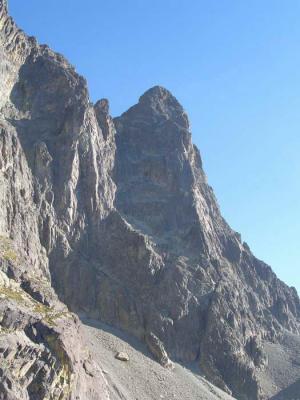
{"x": 116, "y": 218}
{"x": 211, "y": 300}
{"x": 42, "y": 352}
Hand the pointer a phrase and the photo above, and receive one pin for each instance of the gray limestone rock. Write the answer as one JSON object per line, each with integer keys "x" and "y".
{"x": 122, "y": 356}
{"x": 116, "y": 218}
{"x": 42, "y": 352}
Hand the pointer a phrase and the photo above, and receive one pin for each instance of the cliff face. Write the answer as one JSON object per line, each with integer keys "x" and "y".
{"x": 42, "y": 354}
{"x": 118, "y": 217}
{"x": 210, "y": 300}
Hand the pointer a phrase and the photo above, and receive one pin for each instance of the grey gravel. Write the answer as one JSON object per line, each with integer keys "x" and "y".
{"x": 142, "y": 378}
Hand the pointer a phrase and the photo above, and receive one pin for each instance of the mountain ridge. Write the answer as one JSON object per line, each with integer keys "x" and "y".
{"x": 117, "y": 215}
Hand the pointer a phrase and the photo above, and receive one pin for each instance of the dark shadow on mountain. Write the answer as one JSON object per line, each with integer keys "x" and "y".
{"x": 292, "y": 392}
{"x": 126, "y": 337}
{"x": 132, "y": 341}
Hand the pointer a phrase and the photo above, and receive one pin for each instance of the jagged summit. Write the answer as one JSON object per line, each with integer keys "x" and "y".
{"x": 103, "y": 105}
{"x": 157, "y": 105}
{"x": 158, "y": 94}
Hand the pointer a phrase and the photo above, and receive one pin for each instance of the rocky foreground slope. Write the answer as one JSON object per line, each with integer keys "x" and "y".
{"x": 117, "y": 219}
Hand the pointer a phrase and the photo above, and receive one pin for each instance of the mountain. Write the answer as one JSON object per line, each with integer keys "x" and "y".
{"x": 113, "y": 219}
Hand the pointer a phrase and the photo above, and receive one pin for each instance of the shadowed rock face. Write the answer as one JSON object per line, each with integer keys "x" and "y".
{"x": 119, "y": 218}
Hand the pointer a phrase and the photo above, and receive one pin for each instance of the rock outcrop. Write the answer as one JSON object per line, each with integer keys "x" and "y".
{"x": 42, "y": 353}
{"x": 117, "y": 218}
{"x": 210, "y": 300}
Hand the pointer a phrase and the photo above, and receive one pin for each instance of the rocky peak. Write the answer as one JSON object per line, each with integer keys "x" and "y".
{"x": 104, "y": 119}
{"x": 117, "y": 216}
{"x": 160, "y": 96}
{"x": 102, "y": 107}
{"x": 162, "y": 191}
{"x": 158, "y": 106}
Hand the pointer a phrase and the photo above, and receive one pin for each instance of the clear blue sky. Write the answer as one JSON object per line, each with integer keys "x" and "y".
{"x": 234, "y": 65}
